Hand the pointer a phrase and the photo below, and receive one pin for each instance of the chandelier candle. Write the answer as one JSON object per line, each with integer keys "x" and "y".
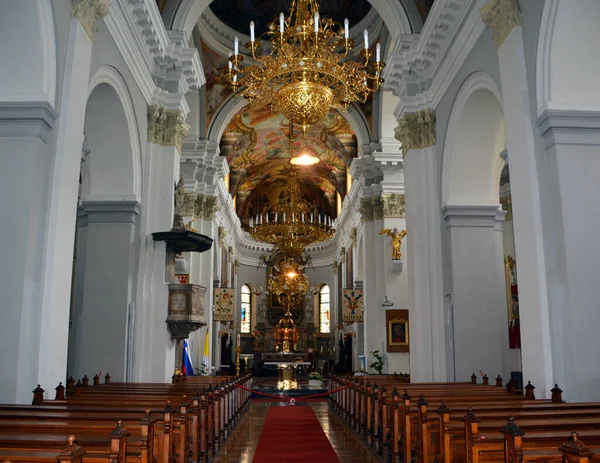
{"x": 306, "y": 74}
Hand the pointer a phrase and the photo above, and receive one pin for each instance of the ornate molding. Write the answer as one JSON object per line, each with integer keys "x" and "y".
{"x": 88, "y": 12}
{"x": 166, "y": 127}
{"x": 366, "y": 210}
{"x": 189, "y": 204}
{"x": 416, "y": 130}
{"x": 394, "y": 206}
{"x": 206, "y": 207}
{"x": 502, "y": 16}
{"x": 377, "y": 205}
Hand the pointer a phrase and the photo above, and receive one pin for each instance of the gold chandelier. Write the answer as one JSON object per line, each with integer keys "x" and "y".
{"x": 292, "y": 224}
{"x": 290, "y": 284}
{"x": 304, "y": 76}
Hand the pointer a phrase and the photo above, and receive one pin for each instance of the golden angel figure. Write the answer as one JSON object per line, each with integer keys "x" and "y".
{"x": 396, "y": 237}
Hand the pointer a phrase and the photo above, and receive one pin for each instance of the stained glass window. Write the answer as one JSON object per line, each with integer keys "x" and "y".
{"x": 324, "y": 310}
{"x": 246, "y": 309}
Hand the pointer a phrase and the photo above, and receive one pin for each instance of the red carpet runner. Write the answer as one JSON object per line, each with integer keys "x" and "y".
{"x": 293, "y": 435}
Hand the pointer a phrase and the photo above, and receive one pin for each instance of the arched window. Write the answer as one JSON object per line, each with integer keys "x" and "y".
{"x": 246, "y": 312}
{"x": 324, "y": 309}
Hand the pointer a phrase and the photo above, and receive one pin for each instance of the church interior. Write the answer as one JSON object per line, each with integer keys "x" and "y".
{"x": 280, "y": 230}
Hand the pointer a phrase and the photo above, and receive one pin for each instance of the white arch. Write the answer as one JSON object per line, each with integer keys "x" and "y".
{"x": 491, "y": 114}
{"x": 110, "y": 76}
{"x": 29, "y": 71}
{"x": 391, "y": 11}
{"x": 566, "y": 71}
{"x": 233, "y": 105}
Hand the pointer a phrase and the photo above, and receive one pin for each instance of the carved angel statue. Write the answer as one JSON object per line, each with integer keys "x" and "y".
{"x": 396, "y": 237}
{"x": 179, "y": 200}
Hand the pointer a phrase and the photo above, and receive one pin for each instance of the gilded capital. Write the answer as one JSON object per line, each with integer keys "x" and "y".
{"x": 502, "y": 16}
{"x": 166, "y": 127}
{"x": 394, "y": 206}
{"x": 88, "y": 12}
{"x": 416, "y": 130}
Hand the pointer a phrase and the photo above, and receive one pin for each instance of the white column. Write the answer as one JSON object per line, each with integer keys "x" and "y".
{"x": 537, "y": 343}
{"x": 26, "y": 159}
{"x": 571, "y": 212}
{"x": 154, "y": 355}
{"x": 429, "y": 355}
{"x": 100, "y": 323}
{"x": 478, "y": 291}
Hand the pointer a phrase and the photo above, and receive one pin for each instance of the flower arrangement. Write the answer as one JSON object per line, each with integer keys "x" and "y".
{"x": 314, "y": 376}
{"x": 377, "y": 365}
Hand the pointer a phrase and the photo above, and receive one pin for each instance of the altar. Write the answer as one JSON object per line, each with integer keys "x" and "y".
{"x": 287, "y": 374}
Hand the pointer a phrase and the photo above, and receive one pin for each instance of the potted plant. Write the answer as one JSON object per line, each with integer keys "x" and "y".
{"x": 315, "y": 379}
{"x": 377, "y": 365}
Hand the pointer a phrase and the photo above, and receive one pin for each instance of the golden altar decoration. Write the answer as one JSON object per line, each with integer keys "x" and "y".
{"x": 305, "y": 74}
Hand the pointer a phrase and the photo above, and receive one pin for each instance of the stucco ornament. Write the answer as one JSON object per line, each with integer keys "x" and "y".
{"x": 416, "y": 130}
{"x": 166, "y": 127}
{"x": 88, "y": 12}
{"x": 394, "y": 206}
{"x": 502, "y": 16}
{"x": 366, "y": 210}
{"x": 377, "y": 205}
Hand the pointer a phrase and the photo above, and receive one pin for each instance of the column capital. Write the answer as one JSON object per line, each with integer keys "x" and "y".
{"x": 416, "y": 130}
{"x": 502, "y": 16}
{"x": 166, "y": 127}
{"x": 394, "y": 205}
{"x": 470, "y": 216}
{"x": 88, "y": 12}
{"x": 111, "y": 211}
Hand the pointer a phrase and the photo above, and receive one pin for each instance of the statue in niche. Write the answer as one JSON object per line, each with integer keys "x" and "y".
{"x": 396, "y": 237}
{"x": 262, "y": 311}
{"x": 308, "y": 309}
{"x": 179, "y": 199}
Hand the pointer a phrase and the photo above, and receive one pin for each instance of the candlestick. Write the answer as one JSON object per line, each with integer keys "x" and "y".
{"x": 346, "y": 29}
{"x": 251, "y": 31}
{"x": 366, "y": 34}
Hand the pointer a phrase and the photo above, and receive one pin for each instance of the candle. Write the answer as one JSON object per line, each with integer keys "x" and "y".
{"x": 317, "y": 22}
{"x": 251, "y": 31}
{"x": 303, "y": 217}
{"x": 346, "y": 29}
{"x": 378, "y": 52}
{"x": 275, "y": 216}
{"x": 366, "y": 34}
{"x": 267, "y": 217}
{"x": 312, "y": 217}
{"x": 230, "y": 63}
{"x": 281, "y": 17}
{"x": 239, "y": 340}
{"x": 235, "y": 78}
{"x": 284, "y": 217}
{"x": 236, "y": 44}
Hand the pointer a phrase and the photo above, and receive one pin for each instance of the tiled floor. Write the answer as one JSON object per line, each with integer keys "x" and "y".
{"x": 242, "y": 444}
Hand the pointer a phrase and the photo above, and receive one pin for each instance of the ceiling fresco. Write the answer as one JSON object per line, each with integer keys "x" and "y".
{"x": 257, "y": 150}
{"x": 237, "y": 14}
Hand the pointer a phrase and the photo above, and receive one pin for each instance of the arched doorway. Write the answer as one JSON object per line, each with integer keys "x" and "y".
{"x": 106, "y": 245}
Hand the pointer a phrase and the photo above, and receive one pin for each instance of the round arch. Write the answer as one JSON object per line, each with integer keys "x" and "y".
{"x": 392, "y": 12}
{"x": 475, "y": 138}
{"x": 31, "y": 75}
{"x": 566, "y": 76}
{"x": 112, "y": 133}
{"x": 234, "y": 104}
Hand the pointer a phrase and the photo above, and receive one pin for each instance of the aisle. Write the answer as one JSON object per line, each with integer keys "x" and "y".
{"x": 292, "y": 434}
{"x": 241, "y": 447}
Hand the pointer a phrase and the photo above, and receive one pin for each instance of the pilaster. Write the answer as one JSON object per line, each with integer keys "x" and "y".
{"x": 529, "y": 230}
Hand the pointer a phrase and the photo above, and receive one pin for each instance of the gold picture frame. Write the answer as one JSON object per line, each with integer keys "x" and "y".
{"x": 398, "y": 332}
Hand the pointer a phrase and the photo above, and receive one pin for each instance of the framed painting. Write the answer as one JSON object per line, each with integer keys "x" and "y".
{"x": 398, "y": 334}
